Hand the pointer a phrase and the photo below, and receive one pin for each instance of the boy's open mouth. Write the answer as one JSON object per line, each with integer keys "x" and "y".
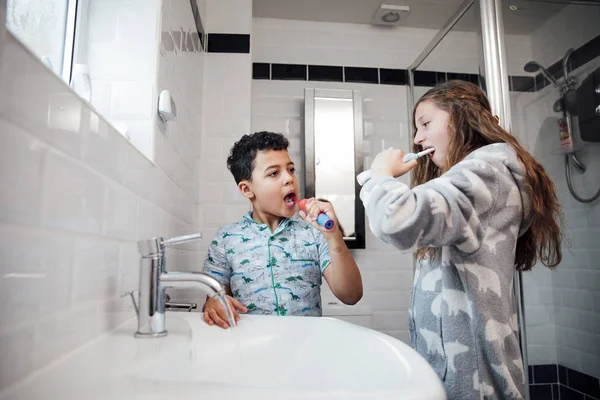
{"x": 290, "y": 199}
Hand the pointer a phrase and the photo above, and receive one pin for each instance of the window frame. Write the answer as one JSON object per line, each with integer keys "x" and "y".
{"x": 69, "y": 40}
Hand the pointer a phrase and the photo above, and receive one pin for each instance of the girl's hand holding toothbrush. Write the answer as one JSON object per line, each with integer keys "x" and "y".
{"x": 389, "y": 163}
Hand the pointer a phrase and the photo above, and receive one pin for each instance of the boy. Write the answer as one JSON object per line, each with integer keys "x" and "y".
{"x": 271, "y": 261}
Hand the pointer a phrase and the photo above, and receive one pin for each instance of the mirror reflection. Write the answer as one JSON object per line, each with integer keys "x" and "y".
{"x": 333, "y": 126}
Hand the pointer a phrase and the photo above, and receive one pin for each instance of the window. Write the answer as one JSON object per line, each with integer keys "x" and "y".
{"x": 47, "y": 27}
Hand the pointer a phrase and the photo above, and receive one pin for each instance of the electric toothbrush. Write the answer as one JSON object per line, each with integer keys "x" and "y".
{"x": 322, "y": 219}
{"x": 364, "y": 176}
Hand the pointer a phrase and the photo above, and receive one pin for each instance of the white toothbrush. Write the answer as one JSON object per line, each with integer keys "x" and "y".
{"x": 364, "y": 176}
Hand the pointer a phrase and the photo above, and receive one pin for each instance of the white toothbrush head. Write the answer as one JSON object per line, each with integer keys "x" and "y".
{"x": 409, "y": 157}
{"x": 363, "y": 177}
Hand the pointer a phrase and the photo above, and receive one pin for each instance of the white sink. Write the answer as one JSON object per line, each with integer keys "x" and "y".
{"x": 298, "y": 357}
{"x": 264, "y": 358}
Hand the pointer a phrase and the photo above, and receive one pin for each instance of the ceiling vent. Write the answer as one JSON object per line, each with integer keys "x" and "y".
{"x": 390, "y": 15}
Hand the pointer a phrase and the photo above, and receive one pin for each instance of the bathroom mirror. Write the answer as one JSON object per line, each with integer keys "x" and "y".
{"x": 333, "y": 156}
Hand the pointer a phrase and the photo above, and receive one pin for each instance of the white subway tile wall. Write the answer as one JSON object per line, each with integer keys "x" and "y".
{"x": 75, "y": 196}
{"x": 563, "y": 306}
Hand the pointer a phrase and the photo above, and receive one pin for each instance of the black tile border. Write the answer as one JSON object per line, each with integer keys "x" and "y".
{"x": 361, "y": 75}
{"x": 382, "y": 76}
{"x": 427, "y": 78}
{"x": 393, "y": 76}
{"x": 522, "y": 83}
{"x": 584, "y": 383}
{"x": 261, "y": 71}
{"x": 547, "y": 373}
{"x": 561, "y": 381}
{"x": 325, "y": 73}
{"x": 562, "y": 375}
{"x": 228, "y": 43}
{"x": 556, "y": 391}
{"x": 570, "y": 394}
{"x": 286, "y": 72}
{"x": 540, "y": 392}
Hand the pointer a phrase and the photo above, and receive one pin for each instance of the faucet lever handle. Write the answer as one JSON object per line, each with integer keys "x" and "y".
{"x": 135, "y": 306}
{"x": 182, "y": 239}
{"x": 155, "y": 246}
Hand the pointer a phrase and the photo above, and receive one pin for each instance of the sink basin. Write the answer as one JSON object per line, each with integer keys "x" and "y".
{"x": 299, "y": 357}
{"x": 265, "y": 358}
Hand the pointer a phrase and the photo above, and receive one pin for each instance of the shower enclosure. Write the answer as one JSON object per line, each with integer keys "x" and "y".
{"x": 539, "y": 63}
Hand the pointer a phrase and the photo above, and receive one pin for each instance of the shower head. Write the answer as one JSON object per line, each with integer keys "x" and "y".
{"x": 534, "y": 66}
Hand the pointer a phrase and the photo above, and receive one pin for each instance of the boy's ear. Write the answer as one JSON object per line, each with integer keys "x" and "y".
{"x": 246, "y": 190}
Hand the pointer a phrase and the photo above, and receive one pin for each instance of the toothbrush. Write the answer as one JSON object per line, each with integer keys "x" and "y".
{"x": 364, "y": 176}
{"x": 322, "y": 219}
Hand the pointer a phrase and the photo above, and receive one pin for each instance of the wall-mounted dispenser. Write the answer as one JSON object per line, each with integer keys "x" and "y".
{"x": 167, "y": 111}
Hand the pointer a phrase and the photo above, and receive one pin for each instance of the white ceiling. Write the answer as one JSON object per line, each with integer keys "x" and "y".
{"x": 431, "y": 14}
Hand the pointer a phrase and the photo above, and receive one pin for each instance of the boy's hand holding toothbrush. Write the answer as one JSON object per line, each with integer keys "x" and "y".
{"x": 310, "y": 210}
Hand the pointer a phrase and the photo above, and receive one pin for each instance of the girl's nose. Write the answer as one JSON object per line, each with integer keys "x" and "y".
{"x": 418, "y": 139}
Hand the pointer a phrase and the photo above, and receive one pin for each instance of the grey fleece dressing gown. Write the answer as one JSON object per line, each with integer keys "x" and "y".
{"x": 462, "y": 316}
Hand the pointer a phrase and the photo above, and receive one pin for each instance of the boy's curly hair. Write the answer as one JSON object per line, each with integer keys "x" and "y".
{"x": 242, "y": 157}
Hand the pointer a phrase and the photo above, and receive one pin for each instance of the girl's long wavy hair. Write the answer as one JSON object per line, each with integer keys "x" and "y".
{"x": 472, "y": 126}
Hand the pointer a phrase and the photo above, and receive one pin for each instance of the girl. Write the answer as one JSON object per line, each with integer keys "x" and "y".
{"x": 480, "y": 207}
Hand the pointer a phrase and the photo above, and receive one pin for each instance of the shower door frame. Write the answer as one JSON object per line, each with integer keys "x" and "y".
{"x": 494, "y": 79}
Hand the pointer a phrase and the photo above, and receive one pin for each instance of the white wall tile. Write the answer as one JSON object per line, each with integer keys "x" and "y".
{"x": 95, "y": 275}
{"x": 121, "y": 213}
{"x": 58, "y": 333}
{"x": 132, "y": 100}
{"x": 139, "y": 174}
{"x": 390, "y": 320}
{"x": 129, "y": 267}
{"x": 147, "y": 226}
{"x": 36, "y": 267}
{"x": 21, "y": 175}
{"x": 222, "y": 20}
{"x": 17, "y": 348}
{"x": 106, "y": 150}
{"x": 73, "y": 196}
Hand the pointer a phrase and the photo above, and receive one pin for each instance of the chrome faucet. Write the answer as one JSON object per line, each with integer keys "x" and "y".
{"x": 154, "y": 279}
